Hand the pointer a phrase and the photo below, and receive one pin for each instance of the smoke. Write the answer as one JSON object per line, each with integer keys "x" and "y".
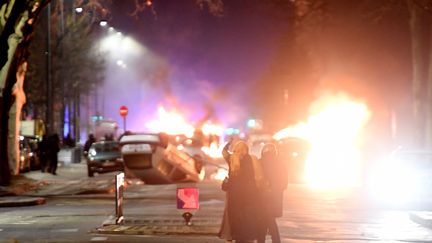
{"x": 143, "y": 80}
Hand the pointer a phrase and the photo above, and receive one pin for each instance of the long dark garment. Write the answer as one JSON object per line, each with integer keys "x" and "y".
{"x": 269, "y": 226}
{"x": 243, "y": 203}
{"x": 225, "y": 229}
{"x": 277, "y": 176}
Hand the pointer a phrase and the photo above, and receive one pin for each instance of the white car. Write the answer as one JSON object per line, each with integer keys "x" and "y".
{"x": 151, "y": 158}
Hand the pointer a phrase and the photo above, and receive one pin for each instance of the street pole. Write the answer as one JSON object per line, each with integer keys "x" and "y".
{"x": 48, "y": 112}
{"x": 124, "y": 123}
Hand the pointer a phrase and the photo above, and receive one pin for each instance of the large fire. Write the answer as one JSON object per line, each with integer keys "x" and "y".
{"x": 334, "y": 132}
{"x": 171, "y": 123}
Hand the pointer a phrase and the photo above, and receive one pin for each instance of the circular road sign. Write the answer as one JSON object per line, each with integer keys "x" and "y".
{"x": 123, "y": 111}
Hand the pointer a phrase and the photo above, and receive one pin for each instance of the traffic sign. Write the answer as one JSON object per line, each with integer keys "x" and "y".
{"x": 123, "y": 111}
{"x": 187, "y": 198}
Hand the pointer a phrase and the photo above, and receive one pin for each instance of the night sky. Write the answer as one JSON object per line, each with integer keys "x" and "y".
{"x": 202, "y": 64}
{"x": 222, "y": 67}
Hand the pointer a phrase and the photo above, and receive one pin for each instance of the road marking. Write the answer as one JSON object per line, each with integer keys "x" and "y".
{"x": 1, "y": 230}
{"x": 25, "y": 222}
{"x": 99, "y": 238}
{"x": 64, "y": 230}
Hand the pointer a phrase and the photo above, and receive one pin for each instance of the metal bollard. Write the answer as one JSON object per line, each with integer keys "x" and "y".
{"x": 119, "y": 181}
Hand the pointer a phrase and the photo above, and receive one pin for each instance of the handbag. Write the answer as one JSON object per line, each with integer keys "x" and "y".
{"x": 225, "y": 184}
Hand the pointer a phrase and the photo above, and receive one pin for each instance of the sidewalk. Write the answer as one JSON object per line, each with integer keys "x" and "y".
{"x": 31, "y": 188}
{"x": 12, "y": 195}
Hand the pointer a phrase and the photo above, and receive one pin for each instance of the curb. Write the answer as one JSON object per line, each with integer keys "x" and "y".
{"x": 158, "y": 230}
{"x": 21, "y": 201}
{"x": 158, "y": 227}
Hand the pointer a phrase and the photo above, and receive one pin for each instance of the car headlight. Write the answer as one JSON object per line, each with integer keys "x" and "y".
{"x": 92, "y": 152}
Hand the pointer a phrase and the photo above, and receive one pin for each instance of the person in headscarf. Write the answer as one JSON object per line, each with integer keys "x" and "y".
{"x": 276, "y": 174}
{"x": 242, "y": 212}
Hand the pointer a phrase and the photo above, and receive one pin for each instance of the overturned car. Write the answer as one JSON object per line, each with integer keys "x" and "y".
{"x": 151, "y": 158}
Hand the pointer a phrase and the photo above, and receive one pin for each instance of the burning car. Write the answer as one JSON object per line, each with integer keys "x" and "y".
{"x": 294, "y": 152}
{"x": 153, "y": 159}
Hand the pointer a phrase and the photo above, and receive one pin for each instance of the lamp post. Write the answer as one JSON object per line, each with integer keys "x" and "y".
{"x": 49, "y": 93}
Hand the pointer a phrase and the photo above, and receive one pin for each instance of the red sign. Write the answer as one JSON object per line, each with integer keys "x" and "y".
{"x": 187, "y": 198}
{"x": 123, "y": 111}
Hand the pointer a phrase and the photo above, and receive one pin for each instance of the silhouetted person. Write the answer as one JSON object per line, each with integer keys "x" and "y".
{"x": 68, "y": 141}
{"x": 54, "y": 148}
{"x": 43, "y": 148}
{"x": 109, "y": 137}
{"x": 90, "y": 140}
{"x": 242, "y": 214}
{"x": 276, "y": 175}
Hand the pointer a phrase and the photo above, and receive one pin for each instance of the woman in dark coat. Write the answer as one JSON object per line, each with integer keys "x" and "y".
{"x": 276, "y": 174}
{"x": 242, "y": 205}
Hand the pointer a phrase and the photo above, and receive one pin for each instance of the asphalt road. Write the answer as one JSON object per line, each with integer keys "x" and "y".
{"x": 309, "y": 215}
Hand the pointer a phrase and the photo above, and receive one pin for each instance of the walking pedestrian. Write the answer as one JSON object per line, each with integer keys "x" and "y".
{"x": 242, "y": 215}
{"x": 43, "y": 153}
{"x": 54, "y": 148}
{"x": 276, "y": 174}
{"x": 90, "y": 140}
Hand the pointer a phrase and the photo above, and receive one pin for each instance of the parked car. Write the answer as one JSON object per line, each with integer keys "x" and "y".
{"x": 33, "y": 143}
{"x": 104, "y": 156}
{"x": 25, "y": 155}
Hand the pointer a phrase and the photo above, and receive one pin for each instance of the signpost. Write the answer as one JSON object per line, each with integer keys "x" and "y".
{"x": 119, "y": 182}
{"x": 187, "y": 198}
{"x": 123, "y": 112}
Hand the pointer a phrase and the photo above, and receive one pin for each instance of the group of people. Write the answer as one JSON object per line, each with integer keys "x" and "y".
{"x": 48, "y": 148}
{"x": 254, "y": 194}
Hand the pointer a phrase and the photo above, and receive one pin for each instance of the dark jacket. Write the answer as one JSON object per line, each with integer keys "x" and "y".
{"x": 243, "y": 200}
{"x": 276, "y": 173}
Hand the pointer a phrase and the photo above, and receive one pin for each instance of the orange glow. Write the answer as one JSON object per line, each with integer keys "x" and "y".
{"x": 220, "y": 174}
{"x": 210, "y": 128}
{"x": 171, "y": 123}
{"x": 333, "y": 130}
{"x": 213, "y": 150}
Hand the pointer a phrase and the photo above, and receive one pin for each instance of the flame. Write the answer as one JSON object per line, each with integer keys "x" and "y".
{"x": 220, "y": 174}
{"x": 333, "y": 131}
{"x": 171, "y": 123}
{"x": 214, "y": 150}
{"x": 210, "y": 128}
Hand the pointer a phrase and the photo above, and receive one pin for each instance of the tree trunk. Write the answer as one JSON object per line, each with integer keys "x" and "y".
{"x": 18, "y": 17}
